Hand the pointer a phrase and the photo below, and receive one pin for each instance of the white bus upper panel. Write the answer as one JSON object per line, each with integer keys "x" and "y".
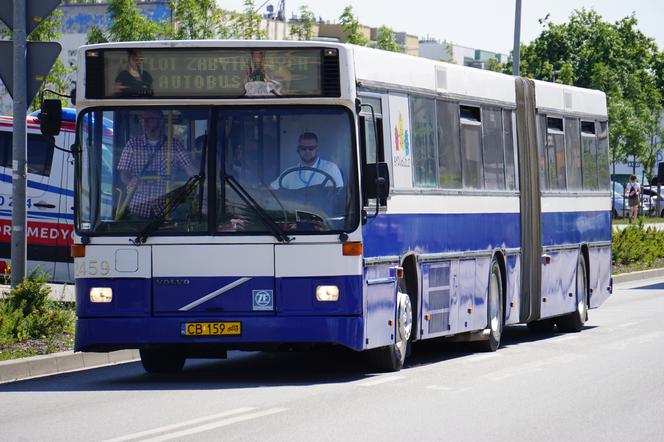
{"x": 373, "y": 67}
{"x": 569, "y": 99}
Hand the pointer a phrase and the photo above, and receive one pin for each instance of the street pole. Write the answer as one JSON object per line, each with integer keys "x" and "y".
{"x": 516, "y": 52}
{"x": 18, "y": 251}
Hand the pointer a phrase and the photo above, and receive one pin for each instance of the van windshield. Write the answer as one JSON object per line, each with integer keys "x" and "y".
{"x": 255, "y": 171}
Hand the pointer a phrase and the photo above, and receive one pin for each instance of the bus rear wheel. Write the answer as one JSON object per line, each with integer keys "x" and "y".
{"x": 392, "y": 357}
{"x": 161, "y": 360}
{"x": 574, "y": 322}
{"x": 495, "y": 318}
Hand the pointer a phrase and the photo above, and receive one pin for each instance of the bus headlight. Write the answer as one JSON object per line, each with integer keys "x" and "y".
{"x": 101, "y": 294}
{"x": 327, "y": 293}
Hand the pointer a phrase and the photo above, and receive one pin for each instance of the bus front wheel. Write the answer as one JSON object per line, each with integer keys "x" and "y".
{"x": 161, "y": 360}
{"x": 392, "y": 357}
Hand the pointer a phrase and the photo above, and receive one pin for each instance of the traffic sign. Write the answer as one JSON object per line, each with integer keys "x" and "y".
{"x": 37, "y": 11}
{"x": 41, "y": 56}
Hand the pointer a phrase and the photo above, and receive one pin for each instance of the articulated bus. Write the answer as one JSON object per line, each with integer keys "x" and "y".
{"x": 271, "y": 195}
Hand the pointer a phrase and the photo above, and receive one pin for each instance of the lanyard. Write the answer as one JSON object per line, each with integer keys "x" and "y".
{"x": 311, "y": 174}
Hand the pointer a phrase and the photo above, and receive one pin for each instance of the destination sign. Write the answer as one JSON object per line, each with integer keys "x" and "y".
{"x": 204, "y": 73}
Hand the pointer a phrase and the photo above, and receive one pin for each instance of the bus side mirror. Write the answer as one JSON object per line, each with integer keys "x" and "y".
{"x": 50, "y": 117}
{"x": 376, "y": 182}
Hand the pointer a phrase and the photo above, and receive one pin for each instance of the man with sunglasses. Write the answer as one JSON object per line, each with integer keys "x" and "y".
{"x": 312, "y": 169}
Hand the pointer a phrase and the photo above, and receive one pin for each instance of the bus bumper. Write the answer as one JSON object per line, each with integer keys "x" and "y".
{"x": 107, "y": 334}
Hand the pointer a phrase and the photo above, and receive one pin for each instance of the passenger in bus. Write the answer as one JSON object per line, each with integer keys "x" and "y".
{"x": 147, "y": 163}
{"x": 134, "y": 81}
{"x": 312, "y": 170}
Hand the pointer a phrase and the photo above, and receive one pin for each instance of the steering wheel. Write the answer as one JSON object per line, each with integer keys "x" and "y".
{"x": 326, "y": 176}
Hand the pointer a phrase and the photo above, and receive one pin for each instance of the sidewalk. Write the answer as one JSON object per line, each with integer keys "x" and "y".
{"x": 66, "y": 361}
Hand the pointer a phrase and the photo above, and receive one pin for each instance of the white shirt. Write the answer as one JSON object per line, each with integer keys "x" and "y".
{"x": 633, "y": 186}
{"x": 302, "y": 178}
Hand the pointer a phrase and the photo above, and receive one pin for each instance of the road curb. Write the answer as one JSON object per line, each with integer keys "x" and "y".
{"x": 65, "y": 361}
{"x": 25, "y": 368}
{"x": 636, "y": 276}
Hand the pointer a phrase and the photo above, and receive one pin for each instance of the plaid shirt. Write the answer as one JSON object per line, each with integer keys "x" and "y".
{"x": 141, "y": 159}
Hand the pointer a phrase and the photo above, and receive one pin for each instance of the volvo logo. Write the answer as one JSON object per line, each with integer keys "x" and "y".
{"x": 172, "y": 281}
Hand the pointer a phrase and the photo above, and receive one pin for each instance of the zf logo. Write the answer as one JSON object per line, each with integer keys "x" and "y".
{"x": 263, "y": 300}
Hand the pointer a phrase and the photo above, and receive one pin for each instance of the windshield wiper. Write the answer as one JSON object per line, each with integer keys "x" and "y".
{"x": 277, "y": 231}
{"x": 173, "y": 200}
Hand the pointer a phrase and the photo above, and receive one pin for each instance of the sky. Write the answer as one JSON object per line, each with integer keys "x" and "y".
{"x": 481, "y": 24}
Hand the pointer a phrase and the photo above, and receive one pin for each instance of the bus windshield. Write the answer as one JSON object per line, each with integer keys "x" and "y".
{"x": 240, "y": 170}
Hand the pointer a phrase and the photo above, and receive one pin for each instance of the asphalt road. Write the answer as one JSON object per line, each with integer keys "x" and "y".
{"x": 603, "y": 384}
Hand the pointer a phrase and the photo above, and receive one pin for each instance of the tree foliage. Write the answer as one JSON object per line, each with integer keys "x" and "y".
{"x": 303, "y": 28}
{"x": 127, "y": 24}
{"x": 386, "y": 40}
{"x": 352, "y": 28}
{"x": 616, "y": 58}
{"x": 247, "y": 24}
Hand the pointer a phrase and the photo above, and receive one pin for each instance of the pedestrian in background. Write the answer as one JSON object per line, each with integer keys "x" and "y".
{"x": 633, "y": 190}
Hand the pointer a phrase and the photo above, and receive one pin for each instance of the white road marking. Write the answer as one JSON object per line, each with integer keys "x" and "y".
{"x": 180, "y": 425}
{"x": 627, "y": 324}
{"x": 477, "y": 358}
{"x": 564, "y": 338}
{"x": 380, "y": 380}
{"x": 213, "y": 425}
{"x": 439, "y": 387}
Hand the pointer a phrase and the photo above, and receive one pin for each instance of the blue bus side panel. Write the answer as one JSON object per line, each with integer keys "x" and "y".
{"x": 478, "y": 317}
{"x": 600, "y": 275}
{"x": 575, "y": 227}
{"x": 558, "y": 282}
{"x": 380, "y": 306}
{"x": 390, "y": 235}
{"x": 513, "y": 296}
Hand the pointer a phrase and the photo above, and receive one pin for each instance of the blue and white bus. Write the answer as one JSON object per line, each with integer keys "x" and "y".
{"x": 273, "y": 194}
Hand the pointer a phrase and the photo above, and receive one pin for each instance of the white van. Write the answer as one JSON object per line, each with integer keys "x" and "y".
{"x": 50, "y": 197}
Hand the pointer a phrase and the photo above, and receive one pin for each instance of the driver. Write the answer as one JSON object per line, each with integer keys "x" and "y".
{"x": 299, "y": 177}
{"x": 148, "y": 155}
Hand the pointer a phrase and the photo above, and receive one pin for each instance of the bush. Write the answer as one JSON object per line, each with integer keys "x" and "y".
{"x": 27, "y": 312}
{"x": 637, "y": 244}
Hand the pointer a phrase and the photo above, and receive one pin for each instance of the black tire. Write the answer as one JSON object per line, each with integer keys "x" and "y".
{"x": 494, "y": 310}
{"x": 574, "y": 322}
{"x": 544, "y": 326}
{"x": 161, "y": 360}
{"x": 392, "y": 357}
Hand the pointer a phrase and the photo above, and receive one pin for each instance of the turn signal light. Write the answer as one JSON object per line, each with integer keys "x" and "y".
{"x": 353, "y": 248}
{"x": 77, "y": 251}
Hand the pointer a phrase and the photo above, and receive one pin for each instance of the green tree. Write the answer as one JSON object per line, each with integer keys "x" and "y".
{"x": 616, "y": 58}
{"x": 127, "y": 24}
{"x": 56, "y": 79}
{"x": 193, "y": 19}
{"x": 303, "y": 28}
{"x": 246, "y": 25}
{"x": 386, "y": 40}
{"x": 352, "y": 28}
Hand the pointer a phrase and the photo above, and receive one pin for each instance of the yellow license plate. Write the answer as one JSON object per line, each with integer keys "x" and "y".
{"x": 211, "y": 328}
